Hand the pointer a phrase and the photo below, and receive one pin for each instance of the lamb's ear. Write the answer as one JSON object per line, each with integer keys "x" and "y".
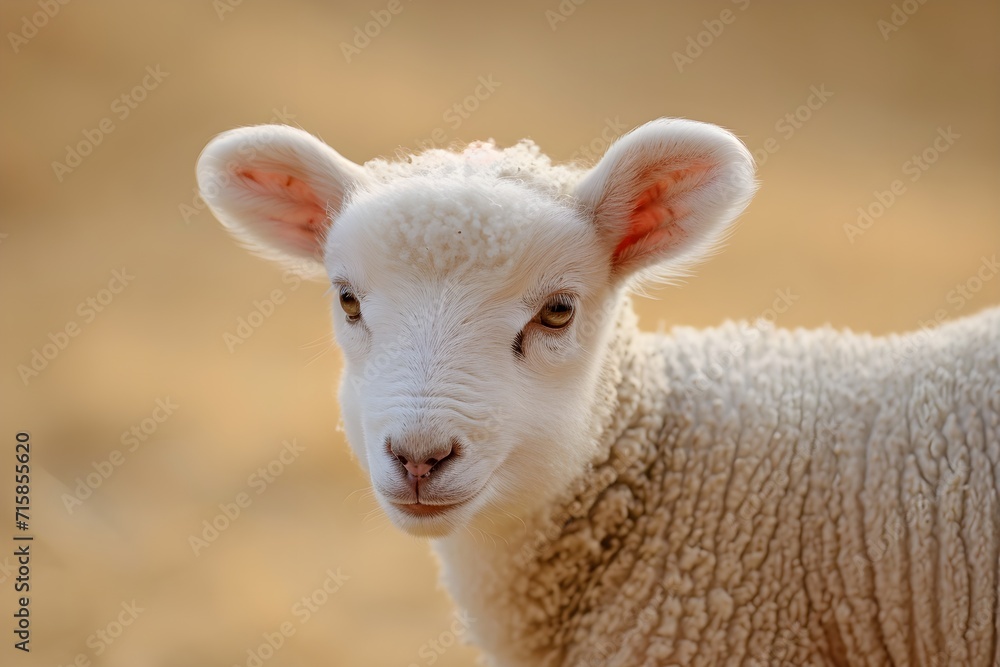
{"x": 275, "y": 188}
{"x": 666, "y": 192}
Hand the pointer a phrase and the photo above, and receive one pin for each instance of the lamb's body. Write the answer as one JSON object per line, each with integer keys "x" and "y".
{"x": 736, "y": 496}
{"x": 766, "y": 497}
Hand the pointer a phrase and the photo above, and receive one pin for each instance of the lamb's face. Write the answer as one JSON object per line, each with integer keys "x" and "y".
{"x": 470, "y": 321}
{"x": 473, "y": 303}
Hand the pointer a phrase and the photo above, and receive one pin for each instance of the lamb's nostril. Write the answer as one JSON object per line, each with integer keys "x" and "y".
{"x": 422, "y": 469}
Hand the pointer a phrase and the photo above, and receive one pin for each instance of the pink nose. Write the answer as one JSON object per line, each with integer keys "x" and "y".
{"x": 420, "y": 468}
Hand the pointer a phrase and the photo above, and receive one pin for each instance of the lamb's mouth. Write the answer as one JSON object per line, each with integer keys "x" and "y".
{"x": 430, "y": 511}
{"x": 423, "y": 510}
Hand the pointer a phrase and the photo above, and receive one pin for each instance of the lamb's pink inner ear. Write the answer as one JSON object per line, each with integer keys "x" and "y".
{"x": 303, "y": 216}
{"x": 656, "y": 217}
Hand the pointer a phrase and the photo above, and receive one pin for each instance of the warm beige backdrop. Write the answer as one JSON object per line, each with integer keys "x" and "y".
{"x": 882, "y": 98}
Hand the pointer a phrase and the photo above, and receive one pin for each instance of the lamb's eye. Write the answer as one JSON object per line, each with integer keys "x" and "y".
{"x": 557, "y": 312}
{"x": 349, "y": 302}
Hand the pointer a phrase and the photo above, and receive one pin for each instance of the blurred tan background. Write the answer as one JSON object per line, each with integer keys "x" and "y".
{"x": 569, "y": 76}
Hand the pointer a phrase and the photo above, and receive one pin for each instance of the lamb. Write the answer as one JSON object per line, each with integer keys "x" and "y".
{"x": 741, "y": 495}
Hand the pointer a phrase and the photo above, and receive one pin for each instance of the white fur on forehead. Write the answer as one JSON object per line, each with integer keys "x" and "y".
{"x": 452, "y": 219}
{"x": 481, "y": 207}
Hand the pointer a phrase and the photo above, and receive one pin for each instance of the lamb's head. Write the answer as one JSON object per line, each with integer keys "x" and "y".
{"x": 476, "y": 291}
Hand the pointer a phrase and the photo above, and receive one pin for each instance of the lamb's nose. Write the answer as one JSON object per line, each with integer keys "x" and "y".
{"x": 421, "y": 467}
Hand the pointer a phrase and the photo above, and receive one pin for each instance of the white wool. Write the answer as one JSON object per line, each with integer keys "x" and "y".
{"x": 476, "y": 221}
{"x": 738, "y": 495}
{"x": 523, "y": 162}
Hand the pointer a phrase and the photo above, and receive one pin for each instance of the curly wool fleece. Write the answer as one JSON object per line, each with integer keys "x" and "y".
{"x": 767, "y": 497}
